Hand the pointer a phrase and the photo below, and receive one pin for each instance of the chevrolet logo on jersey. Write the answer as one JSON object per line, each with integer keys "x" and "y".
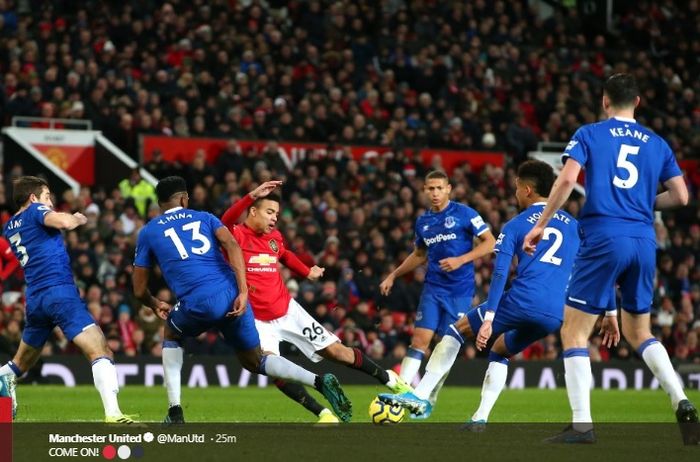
{"x": 263, "y": 259}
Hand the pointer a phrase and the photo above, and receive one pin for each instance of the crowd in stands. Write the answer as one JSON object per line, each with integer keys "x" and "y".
{"x": 462, "y": 75}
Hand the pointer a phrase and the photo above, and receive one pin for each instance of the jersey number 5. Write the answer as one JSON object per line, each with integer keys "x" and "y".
{"x": 548, "y": 256}
{"x": 623, "y": 163}
{"x": 196, "y": 236}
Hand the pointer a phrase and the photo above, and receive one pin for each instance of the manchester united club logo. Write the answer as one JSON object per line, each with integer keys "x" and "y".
{"x": 273, "y": 245}
{"x": 450, "y": 222}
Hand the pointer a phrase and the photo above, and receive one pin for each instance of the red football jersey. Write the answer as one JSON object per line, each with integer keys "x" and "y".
{"x": 262, "y": 254}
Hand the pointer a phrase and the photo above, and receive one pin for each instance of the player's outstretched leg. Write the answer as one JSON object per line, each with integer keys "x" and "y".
{"x": 298, "y": 393}
{"x": 94, "y": 345}
{"x": 281, "y": 368}
{"x": 356, "y": 359}
{"x": 172, "y": 367}
{"x": 438, "y": 366}
{"x": 410, "y": 401}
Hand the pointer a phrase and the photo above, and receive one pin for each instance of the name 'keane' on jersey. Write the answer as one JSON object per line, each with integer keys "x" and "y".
{"x": 626, "y": 132}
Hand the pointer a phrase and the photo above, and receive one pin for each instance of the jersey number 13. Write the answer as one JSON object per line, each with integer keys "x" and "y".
{"x": 196, "y": 236}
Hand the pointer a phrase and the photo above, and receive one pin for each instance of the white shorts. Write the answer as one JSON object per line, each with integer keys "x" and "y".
{"x": 298, "y": 328}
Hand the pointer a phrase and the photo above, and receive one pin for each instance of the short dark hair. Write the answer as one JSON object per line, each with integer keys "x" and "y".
{"x": 25, "y": 186}
{"x": 169, "y": 186}
{"x": 622, "y": 89}
{"x": 539, "y": 173}
{"x": 437, "y": 175}
{"x": 270, "y": 197}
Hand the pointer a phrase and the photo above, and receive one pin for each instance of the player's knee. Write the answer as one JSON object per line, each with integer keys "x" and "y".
{"x": 100, "y": 353}
{"x": 251, "y": 361}
{"x": 573, "y": 336}
{"x": 420, "y": 342}
{"x": 636, "y": 336}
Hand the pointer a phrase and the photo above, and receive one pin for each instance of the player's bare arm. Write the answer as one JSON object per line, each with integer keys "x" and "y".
{"x": 485, "y": 247}
{"x": 417, "y": 258}
{"x": 141, "y": 292}
{"x": 560, "y": 193}
{"x": 61, "y": 220}
{"x": 676, "y": 194}
{"x": 235, "y": 258}
{"x": 265, "y": 189}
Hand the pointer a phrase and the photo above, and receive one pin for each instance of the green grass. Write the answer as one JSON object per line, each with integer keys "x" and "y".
{"x": 268, "y": 405}
{"x": 263, "y": 423}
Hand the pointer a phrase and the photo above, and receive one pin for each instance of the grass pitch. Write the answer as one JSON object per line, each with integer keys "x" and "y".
{"x": 267, "y": 405}
{"x": 261, "y": 424}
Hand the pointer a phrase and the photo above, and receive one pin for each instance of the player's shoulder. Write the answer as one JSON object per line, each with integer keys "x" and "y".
{"x": 197, "y": 213}
{"x": 38, "y": 208}
{"x": 459, "y": 208}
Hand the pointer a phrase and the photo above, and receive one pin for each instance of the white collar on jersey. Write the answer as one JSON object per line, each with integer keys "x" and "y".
{"x": 625, "y": 119}
{"x": 174, "y": 209}
{"x": 540, "y": 203}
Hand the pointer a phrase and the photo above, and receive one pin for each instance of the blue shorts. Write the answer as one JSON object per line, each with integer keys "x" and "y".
{"x": 604, "y": 262}
{"x": 437, "y": 312}
{"x": 190, "y": 319}
{"x": 57, "y": 306}
{"x": 520, "y": 328}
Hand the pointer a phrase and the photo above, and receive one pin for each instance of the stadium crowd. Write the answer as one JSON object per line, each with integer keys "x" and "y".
{"x": 463, "y": 75}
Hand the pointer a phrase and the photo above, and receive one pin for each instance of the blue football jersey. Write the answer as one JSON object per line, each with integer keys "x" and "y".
{"x": 444, "y": 234}
{"x": 624, "y": 164}
{"x": 39, "y": 249}
{"x": 184, "y": 244}
{"x": 540, "y": 280}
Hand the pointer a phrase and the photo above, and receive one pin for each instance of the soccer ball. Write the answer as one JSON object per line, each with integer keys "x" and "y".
{"x": 381, "y": 413}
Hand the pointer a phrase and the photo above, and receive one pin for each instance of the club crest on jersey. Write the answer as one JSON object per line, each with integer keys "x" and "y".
{"x": 273, "y": 245}
{"x": 450, "y": 222}
{"x": 425, "y": 227}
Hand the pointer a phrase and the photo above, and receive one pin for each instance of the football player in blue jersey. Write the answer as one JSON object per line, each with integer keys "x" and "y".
{"x": 445, "y": 237}
{"x": 52, "y": 299}
{"x": 624, "y": 162}
{"x": 530, "y": 310}
{"x": 186, "y": 245}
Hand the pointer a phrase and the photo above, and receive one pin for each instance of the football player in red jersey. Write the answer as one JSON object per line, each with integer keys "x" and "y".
{"x": 278, "y": 317}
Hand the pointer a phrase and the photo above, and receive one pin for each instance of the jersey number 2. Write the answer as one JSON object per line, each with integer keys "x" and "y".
{"x": 623, "y": 163}
{"x": 548, "y": 256}
{"x": 196, "y": 236}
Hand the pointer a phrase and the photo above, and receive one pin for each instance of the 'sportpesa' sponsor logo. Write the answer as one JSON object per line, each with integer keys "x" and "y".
{"x": 439, "y": 238}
